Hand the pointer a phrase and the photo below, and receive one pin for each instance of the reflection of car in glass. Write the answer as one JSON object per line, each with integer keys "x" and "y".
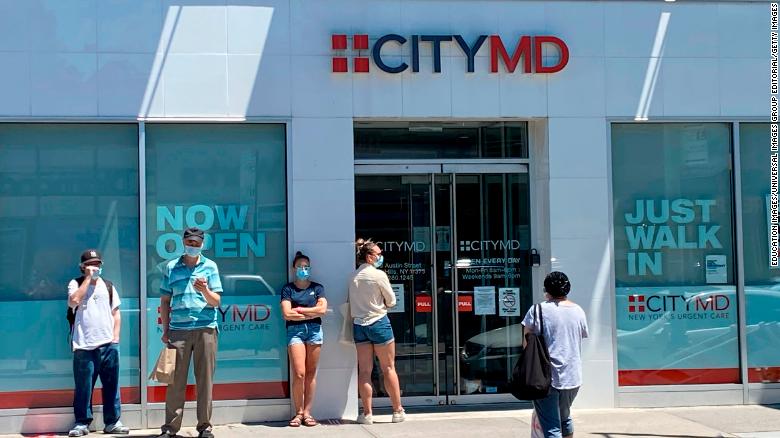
{"x": 232, "y": 284}
{"x": 245, "y": 284}
{"x": 486, "y": 360}
{"x": 696, "y": 342}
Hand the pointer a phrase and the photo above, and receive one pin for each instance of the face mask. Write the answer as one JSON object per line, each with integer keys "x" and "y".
{"x": 192, "y": 251}
{"x": 302, "y": 273}
{"x": 379, "y": 261}
{"x": 96, "y": 273}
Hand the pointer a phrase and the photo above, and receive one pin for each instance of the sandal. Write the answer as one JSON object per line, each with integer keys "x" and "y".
{"x": 296, "y": 421}
{"x": 309, "y": 421}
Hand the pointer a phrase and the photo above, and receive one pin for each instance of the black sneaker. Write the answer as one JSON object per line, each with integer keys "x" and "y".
{"x": 166, "y": 434}
{"x": 205, "y": 434}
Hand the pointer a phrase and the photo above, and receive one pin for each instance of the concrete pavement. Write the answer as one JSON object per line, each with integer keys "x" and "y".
{"x": 694, "y": 422}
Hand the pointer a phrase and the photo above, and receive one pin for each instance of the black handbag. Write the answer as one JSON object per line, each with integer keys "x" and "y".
{"x": 531, "y": 376}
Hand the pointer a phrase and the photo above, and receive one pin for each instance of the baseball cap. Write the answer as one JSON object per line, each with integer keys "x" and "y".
{"x": 193, "y": 233}
{"x": 91, "y": 255}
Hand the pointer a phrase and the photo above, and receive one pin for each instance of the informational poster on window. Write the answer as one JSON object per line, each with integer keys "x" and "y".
{"x": 421, "y": 236}
{"x": 398, "y": 290}
{"x": 443, "y": 238}
{"x": 509, "y": 301}
{"x": 485, "y": 300}
{"x": 716, "y": 269}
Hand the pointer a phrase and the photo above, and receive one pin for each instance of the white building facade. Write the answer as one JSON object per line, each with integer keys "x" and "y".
{"x": 625, "y": 143}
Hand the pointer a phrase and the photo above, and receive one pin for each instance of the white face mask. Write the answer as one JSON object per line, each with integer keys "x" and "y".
{"x": 192, "y": 251}
{"x": 96, "y": 271}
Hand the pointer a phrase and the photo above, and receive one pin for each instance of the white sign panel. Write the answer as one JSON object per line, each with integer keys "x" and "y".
{"x": 485, "y": 300}
{"x": 716, "y": 272}
{"x": 422, "y": 234}
{"x": 398, "y": 289}
{"x": 509, "y": 301}
{"x": 443, "y": 238}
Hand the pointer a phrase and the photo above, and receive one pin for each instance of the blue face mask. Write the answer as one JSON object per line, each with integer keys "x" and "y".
{"x": 302, "y": 273}
{"x": 379, "y": 261}
{"x": 96, "y": 274}
{"x": 192, "y": 251}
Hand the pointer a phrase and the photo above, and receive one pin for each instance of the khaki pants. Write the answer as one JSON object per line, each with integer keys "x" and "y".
{"x": 202, "y": 345}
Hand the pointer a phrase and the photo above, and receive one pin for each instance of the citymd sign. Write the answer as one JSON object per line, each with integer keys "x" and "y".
{"x": 527, "y": 47}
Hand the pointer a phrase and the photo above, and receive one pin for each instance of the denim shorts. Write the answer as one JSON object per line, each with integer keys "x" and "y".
{"x": 554, "y": 412}
{"x": 309, "y": 333}
{"x": 378, "y": 333}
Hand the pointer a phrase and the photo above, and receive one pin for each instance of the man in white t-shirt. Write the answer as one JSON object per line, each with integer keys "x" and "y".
{"x": 95, "y": 345}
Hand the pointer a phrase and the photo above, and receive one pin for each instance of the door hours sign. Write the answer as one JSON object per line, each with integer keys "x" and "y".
{"x": 509, "y": 301}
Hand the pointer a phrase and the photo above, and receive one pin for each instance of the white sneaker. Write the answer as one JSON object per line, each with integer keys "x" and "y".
{"x": 117, "y": 428}
{"x": 79, "y": 430}
{"x": 399, "y": 417}
{"x": 365, "y": 419}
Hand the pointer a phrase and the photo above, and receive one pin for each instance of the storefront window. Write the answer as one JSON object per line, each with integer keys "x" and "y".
{"x": 63, "y": 188}
{"x": 674, "y": 254}
{"x": 437, "y": 140}
{"x": 762, "y": 281}
{"x": 229, "y": 180}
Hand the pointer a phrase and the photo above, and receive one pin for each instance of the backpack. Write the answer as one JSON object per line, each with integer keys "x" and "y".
{"x": 72, "y": 312}
{"x": 531, "y": 376}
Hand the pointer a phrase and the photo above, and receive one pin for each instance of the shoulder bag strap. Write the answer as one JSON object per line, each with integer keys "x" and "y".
{"x": 110, "y": 288}
{"x": 540, "y": 317}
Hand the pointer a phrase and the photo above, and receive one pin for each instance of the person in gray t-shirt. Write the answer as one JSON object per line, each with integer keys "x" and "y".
{"x": 565, "y": 326}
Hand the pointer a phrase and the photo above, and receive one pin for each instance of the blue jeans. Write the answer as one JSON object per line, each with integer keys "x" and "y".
{"x": 554, "y": 412}
{"x": 309, "y": 333}
{"x": 378, "y": 333}
{"x": 88, "y": 365}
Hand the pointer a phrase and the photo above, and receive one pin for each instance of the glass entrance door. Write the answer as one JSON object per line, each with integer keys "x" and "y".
{"x": 456, "y": 248}
{"x": 395, "y": 211}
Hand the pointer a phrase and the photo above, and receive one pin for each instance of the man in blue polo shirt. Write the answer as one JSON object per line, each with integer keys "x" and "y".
{"x": 190, "y": 291}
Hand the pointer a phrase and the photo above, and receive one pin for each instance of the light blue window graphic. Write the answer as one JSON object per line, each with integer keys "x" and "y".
{"x": 63, "y": 188}
{"x": 762, "y": 281}
{"x": 675, "y": 288}
{"x": 229, "y": 180}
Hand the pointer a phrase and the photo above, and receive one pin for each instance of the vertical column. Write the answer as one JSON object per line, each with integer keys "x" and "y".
{"x": 142, "y": 264}
{"x": 323, "y": 227}
{"x": 741, "y": 299}
{"x": 581, "y": 242}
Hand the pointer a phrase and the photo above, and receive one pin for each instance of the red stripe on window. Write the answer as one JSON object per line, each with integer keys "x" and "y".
{"x": 694, "y": 376}
{"x": 764, "y": 375}
{"x": 54, "y": 398}
{"x": 229, "y": 391}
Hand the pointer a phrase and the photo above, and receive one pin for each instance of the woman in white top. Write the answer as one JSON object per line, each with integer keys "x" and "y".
{"x": 564, "y": 328}
{"x": 370, "y": 295}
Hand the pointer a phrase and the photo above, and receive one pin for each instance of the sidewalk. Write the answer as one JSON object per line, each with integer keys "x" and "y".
{"x": 698, "y": 422}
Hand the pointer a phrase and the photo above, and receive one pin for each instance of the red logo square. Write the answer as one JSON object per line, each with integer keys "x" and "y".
{"x": 631, "y": 309}
{"x": 339, "y": 42}
{"x": 360, "y": 42}
{"x": 641, "y": 308}
{"x": 340, "y": 65}
{"x": 361, "y": 65}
